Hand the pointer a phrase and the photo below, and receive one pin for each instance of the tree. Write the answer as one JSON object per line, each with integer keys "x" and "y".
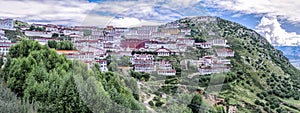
{"x": 61, "y": 45}
{"x": 31, "y": 28}
{"x": 23, "y": 48}
{"x": 296, "y": 97}
{"x": 124, "y": 61}
{"x": 52, "y": 44}
{"x": 55, "y": 35}
{"x": 1, "y": 60}
{"x": 197, "y": 99}
{"x": 41, "y": 75}
{"x": 140, "y": 75}
{"x": 10, "y": 103}
{"x": 195, "y": 104}
{"x": 113, "y": 66}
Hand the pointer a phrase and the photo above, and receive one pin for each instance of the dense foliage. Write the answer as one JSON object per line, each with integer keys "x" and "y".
{"x": 14, "y": 35}
{"x": 39, "y": 74}
{"x": 140, "y": 75}
{"x": 36, "y": 28}
{"x": 10, "y": 103}
{"x": 61, "y": 45}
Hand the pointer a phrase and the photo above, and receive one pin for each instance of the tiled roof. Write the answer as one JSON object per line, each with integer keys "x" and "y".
{"x": 224, "y": 50}
{"x": 66, "y": 51}
{"x": 163, "y": 49}
{"x": 101, "y": 61}
{"x": 141, "y": 65}
{"x": 133, "y": 43}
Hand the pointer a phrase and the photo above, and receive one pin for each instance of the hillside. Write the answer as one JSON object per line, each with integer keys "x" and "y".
{"x": 262, "y": 78}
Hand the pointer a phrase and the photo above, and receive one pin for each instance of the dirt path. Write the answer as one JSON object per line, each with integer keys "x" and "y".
{"x": 147, "y": 105}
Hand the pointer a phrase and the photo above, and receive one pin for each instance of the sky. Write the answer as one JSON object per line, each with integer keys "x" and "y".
{"x": 277, "y": 20}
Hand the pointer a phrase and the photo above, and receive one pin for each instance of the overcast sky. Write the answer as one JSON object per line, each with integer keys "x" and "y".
{"x": 277, "y": 19}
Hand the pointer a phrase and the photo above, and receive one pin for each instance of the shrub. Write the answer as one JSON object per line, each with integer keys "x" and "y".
{"x": 296, "y": 97}
{"x": 267, "y": 109}
{"x": 151, "y": 103}
{"x": 261, "y": 96}
{"x": 159, "y": 103}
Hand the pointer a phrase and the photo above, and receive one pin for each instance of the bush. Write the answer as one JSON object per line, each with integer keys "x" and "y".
{"x": 159, "y": 103}
{"x": 261, "y": 96}
{"x": 272, "y": 107}
{"x": 61, "y": 45}
{"x": 256, "y": 102}
{"x": 264, "y": 94}
{"x": 267, "y": 109}
{"x": 296, "y": 97}
{"x": 140, "y": 75}
{"x": 197, "y": 99}
{"x": 151, "y": 103}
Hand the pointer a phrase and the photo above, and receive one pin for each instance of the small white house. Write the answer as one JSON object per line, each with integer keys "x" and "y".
{"x": 163, "y": 52}
{"x": 218, "y": 42}
{"x": 187, "y": 41}
{"x": 4, "y": 50}
{"x": 2, "y": 33}
{"x": 71, "y": 32}
{"x": 52, "y": 29}
{"x": 165, "y": 68}
{"x": 225, "y": 52}
{"x": 38, "y": 34}
{"x": 204, "y": 45}
{"x": 143, "y": 62}
{"x": 186, "y": 31}
{"x": 103, "y": 65}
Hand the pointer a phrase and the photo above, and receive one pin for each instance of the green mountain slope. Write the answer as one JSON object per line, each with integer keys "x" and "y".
{"x": 262, "y": 78}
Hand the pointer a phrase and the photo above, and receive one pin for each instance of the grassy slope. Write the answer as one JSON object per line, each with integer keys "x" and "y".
{"x": 255, "y": 62}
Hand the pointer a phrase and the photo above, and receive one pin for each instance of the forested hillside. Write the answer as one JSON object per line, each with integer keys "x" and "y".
{"x": 261, "y": 79}
{"x": 50, "y": 83}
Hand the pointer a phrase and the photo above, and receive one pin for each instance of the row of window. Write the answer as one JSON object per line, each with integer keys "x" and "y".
{"x": 4, "y": 49}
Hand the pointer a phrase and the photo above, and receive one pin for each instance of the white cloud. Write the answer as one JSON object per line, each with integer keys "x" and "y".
{"x": 80, "y": 12}
{"x": 271, "y": 29}
{"x": 181, "y": 3}
{"x": 131, "y": 22}
{"x": 125, "y": 22}
{"x": 71, "y": 11}
{"x": 237, "y": 15}
{"x": 146, "y": 10}
{"x": 149, "y": 12}
{"x": 96, "y": 20}
{"x": 287, "y": 9}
